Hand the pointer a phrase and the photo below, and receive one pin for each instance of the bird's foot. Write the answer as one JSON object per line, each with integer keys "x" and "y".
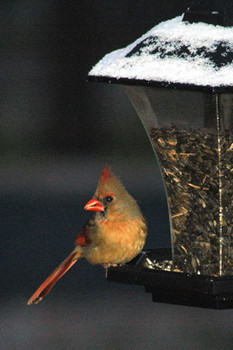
{"x": 107, "y": 265}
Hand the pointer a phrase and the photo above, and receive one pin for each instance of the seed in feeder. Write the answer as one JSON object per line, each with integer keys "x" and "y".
{"x": 198, "y": 171}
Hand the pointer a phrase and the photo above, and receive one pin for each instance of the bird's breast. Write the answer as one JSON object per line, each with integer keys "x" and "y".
{"x": 116, "y": 242}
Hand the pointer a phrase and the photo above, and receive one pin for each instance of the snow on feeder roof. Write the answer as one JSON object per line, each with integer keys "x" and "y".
{"x": 173, "y": 52}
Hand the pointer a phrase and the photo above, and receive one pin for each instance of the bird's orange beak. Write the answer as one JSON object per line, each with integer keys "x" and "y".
{"x": 94, "y": 205}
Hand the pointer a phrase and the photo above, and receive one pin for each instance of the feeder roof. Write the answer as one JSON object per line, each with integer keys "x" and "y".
{"x": 174, "y": 53}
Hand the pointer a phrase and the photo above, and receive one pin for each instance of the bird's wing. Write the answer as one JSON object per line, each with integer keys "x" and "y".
{"x": 83, "y": 238}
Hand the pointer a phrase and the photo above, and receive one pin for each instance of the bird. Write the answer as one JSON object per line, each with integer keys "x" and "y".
{"x": 113, "y": 236}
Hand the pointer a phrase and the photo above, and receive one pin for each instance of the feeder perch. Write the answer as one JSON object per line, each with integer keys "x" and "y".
{"x": 179, "y": 77}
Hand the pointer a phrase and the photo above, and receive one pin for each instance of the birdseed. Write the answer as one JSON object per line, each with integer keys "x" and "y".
{"x": 197, "y": 167}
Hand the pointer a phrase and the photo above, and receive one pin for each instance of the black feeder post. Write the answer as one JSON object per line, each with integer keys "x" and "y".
{"x": 179, "y": 77}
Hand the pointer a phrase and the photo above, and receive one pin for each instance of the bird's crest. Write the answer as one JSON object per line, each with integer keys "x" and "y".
{"x": 106, "y": 182}
{"x": 107, "y": 174}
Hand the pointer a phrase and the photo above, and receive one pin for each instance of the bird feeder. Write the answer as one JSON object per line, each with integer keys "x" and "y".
{"x": 179, "y": 77}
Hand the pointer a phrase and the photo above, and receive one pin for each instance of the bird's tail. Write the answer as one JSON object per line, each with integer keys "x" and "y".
{"x": 48, "y": 284}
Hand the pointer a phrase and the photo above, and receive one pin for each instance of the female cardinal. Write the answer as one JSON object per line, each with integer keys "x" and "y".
{"x": 115, "y": 235}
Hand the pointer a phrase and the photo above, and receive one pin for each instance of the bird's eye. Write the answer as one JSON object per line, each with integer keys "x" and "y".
{"x": 109, "y": 199}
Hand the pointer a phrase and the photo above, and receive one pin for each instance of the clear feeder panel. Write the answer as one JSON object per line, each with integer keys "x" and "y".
{"x": 192, "y": 136}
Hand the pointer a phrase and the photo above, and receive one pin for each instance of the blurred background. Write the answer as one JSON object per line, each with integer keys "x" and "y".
{"x": 56, "y": 133}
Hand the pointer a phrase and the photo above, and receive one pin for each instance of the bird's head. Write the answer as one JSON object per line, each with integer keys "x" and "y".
{"x": 111, "y": 200}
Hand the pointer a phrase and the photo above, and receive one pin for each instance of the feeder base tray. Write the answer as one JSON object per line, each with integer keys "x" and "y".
{"x": 175, "y": 287}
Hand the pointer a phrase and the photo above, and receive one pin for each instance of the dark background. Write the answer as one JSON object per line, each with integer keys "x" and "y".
{"x": 56, "y": 133}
